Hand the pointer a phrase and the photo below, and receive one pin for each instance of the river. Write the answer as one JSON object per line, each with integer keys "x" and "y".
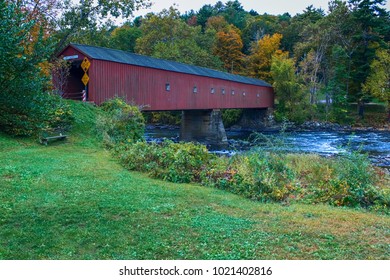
{"x": 327, "y": 143}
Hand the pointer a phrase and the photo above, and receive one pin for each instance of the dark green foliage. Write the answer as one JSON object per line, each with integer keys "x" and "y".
{"x": 167, "y": 36}
{"x": 26, "y": 108}
{"x": 293, "y": 103}
{"x": 372, "y": 28}
{"x": 231, "y": 116}
{"x": 124, "y": 38}
{"x": 204, "y": 14}
{"x": 336, "y": 89}
{"x": 294, "y": 31}
{"x": 84, "y": 18}
{"x": 235, "y": 14}
{"x": 164, "y": 117}
{"x": 122, "y": 123}
{"x": 179, "y": 163}
{"x": 25, "y": 115}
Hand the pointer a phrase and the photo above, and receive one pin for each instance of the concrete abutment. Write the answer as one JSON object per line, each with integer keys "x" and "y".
{"x": 203, "y": 126}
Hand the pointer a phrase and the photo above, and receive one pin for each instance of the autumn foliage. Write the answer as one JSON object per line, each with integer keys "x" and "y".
{"x": 260, "y": 60}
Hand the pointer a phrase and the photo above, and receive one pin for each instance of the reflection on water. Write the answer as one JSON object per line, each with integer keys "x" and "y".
{"x": 375, "y": 144}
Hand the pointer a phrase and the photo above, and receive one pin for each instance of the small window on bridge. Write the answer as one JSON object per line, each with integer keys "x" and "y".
{"x": 233, "y": 92}
{"x": 212, "y": 90}
{"x": 168, "y": 87}
{"x": 195, "y": 89}
{"x": 223, "y": 91}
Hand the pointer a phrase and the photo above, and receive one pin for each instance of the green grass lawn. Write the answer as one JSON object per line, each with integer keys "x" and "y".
{"x": 72, "y": 200}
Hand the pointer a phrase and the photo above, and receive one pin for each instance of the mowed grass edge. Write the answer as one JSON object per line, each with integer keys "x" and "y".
{"x": 72, "y": 200}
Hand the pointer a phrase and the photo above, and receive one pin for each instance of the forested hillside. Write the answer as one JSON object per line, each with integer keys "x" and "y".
{"x": 318, "y": 61}
{"x": 324, "y": 64}
{"x": 84, "y": 198}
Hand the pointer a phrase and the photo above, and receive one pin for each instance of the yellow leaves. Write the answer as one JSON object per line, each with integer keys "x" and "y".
{"x": 377, "y": 82}
{"x": 228, "y": 48}
{"x": 259, "y": 62}
{"x": 45, "y": 68}
{"x": 268, "y": 45}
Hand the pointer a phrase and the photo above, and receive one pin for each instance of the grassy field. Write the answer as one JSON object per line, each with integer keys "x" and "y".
{"x": 72, "y": 200}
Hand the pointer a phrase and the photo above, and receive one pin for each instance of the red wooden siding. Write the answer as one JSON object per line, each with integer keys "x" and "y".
{"x": 147, "y": 87}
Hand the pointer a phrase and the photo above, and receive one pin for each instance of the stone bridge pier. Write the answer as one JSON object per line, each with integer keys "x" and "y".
{"x": 203, "y": 126}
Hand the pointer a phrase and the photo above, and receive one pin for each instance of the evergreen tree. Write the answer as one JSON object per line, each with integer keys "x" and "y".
{"x": 372, "y": 27}
{"x": 24, "y": 105}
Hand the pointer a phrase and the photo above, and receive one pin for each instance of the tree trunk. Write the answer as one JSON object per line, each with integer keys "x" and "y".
{"x": 388, "y": 113}
{"x": 361, "y": 109}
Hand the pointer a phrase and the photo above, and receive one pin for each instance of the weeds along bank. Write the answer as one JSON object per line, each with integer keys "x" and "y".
{"x": 267, "y": 177}
{"x": 350, "y": 180}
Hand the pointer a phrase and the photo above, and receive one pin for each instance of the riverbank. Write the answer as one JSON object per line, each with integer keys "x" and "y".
{"x": 308, "y": 126}
{"x": 72, "y": 200}
{"x": 325, "y": 142}
{"x": 272, "y": 126}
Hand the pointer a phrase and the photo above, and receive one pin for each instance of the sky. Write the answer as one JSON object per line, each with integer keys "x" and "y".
{"x": 273, "y": 7}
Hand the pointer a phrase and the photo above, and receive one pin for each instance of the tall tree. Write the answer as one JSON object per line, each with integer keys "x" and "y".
{"x": 87, "y": 14}
{"x": 228, "y": 45}
{"x": 21, "y": 79}
{"x": 336, "y": 86}
{"x": 293, "y": 32}
{"x": 125, "y": 37}
{"x": 259, "y": 62}
{"x": 167, "y": 36}
{"x": 372, "y": 28}
{"x": 235, "y": 14}
{"x": 291, "y": 99}
{"x": 229, "y": 49}
{"x": 204, "y": 14}
{"x": 378, "y": 81}
{"x": 257, "y": 27}
{"x": 164, "y": 27}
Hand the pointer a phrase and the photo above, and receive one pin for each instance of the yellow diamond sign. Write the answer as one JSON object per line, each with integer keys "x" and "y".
{"x": 85, "y": 64}
{"x": 85, "y": 79}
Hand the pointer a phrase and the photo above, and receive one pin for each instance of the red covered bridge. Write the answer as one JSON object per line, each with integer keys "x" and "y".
{"x": 158, "y": 85}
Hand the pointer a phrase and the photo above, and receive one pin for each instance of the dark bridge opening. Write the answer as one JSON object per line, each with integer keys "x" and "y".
{"x": 75, "y": 86}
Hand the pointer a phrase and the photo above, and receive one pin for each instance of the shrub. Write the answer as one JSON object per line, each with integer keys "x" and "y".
{"x": 57, "y": 113}
{"x": 167, "y": 118}
{"x": 174, "y": 162}
{"x": 26, "y": 116}
{"x": 259, "y": 176}
{"x": 354, "y": 182}
{"x": 122, "y": 123}
{"x": 231, "y": 116}
{"x": 349, "y": 180}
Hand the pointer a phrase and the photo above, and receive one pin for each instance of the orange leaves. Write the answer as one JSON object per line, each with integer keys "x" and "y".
{"x": 259, "y": 62}
{"x": 217, "y": 23}
{"x": 229, "y": 48}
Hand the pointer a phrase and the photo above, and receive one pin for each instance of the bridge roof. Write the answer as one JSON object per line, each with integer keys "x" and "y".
{"x": 119, "y": 56}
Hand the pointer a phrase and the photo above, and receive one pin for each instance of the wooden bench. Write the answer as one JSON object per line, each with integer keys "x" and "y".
{"x": 45, "y": 139}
